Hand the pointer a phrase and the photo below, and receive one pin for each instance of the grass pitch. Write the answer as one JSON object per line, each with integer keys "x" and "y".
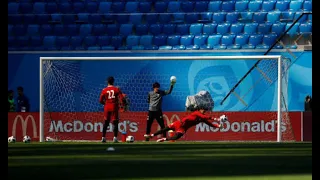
{"x": 154, "y": 161}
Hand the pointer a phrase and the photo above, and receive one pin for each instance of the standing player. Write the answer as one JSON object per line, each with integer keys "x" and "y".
{"x": 181, "y": 127}
{"x": 110, "y": 97}
{"x": 155, "y": 107}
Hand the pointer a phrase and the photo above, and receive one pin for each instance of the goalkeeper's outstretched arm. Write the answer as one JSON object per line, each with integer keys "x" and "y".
{"x": 170, "y": 90}
{"x": 210, "y": 124}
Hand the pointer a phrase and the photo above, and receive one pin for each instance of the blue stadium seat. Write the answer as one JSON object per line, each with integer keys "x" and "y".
{"x": 145, "y": 7}
{"x": 191, "y": 18}
{"x": 46, "y": 30}
{"x": 19, "y": 30}
{"x": 177, "y": 18}
{"x": 192, "y": 47}
{"x": 294, "y": 30}
{"x": 250, "y": 28}
{"x": 62, "y": 41}
{"x": 214, "y": 6}
{"x": 103, "y": 40}
{"x": 65, "y": 8}
{"x": 117, "y": 41}
{"x": 122, "y": 18}
{"x": 85, "y": 30}
{"x": 227, "y": 40}
{"x": 278, "y": 28}
{"x": 268, "y": 5}
{"x": 82, "y": 18}
{"x": 68, "y": 18}
{"x": 305, "y": 28}
{"x": 39, "y": 8}
{"x": 95, "y": 19}
{"x": 104, "y": 7}
{"x": 307, "y": 6}
{"x": 29, "y": 19}
{"x": 51, "y": 7}
{"x": 125, "y": 29}
{"x": 117, "y": 6}
{"x": 196, "y": 29}
{"x": 201, "y": 6}
{"x": 13, "y": 8}
{"x": 254, "y": 40}
{"x": 232, "y": 17}
{"x": 160, "y": 6}
{"x": 186, "y": 40}
{"x": 153, "y": 47}
{"x": 151, "y": 18}
{"x": 146, "y": 40}
{"x": 287, "y": 16}
{"x": 168, "y": 29}
{"x": 25, "y": 8}
{"x": 273, "y": 17}
{"x": 33, "y": 30}
{"x": 78, "y": 7}
{"x": 99, "y": 29}
{"x": 200, "y": 40}
{"x": 165, "y": 47}
{"x": 35, "y": 41}
{"x": 223, "y": 28}
{"x": 264, "y": 28}
{"x": 139, "y": 47}
{"x": 259, "y": 17}
{"x": 72, "y": 29}
{"x": 42, "y": 18}
{"x": 112, "y": 29}
{"x": 282, "y": 5}
{"x": 187, "y": 6}
{"x": 13, "y": 19}
{"x": 93, "y": 48}
{"x": 22, "y": 41}
{"x": 303, "y": 19}
{"x": 55, "y": 17}
{"x": 155, "y": 29}
{"x": 228, "y": 6}
{"x": 214, "y": 40}
{"x": 296, "y": 5}
{"x": 267, "y": 42}
{"x": 246, "y": 16}
{"x": 49, "y": 43}
{"x": 89, "y": 41}
{"x": 107, "y": 48}
{"x": 241, "y": 6}
{"x": 310, "y": 18}
{"x": 209, "y": 29}
{"x": 206, "y": 17}
{"x": 160, "y": 40}
{"x": 236, "y": 28}
{"x": 173, "y": 40}
{"x": 179, "y": 47}
{"x": 141, "y": 29}
{"x": 76, "y": 42}
{"x": 164, "y": 18}
{"x": 59, "y": 30}
{"x": 91, "y": 7}
{"x": 219, "y": 17}
{"x": 241, "y": 40}
{"x": 254, "y": 6}
{"x": 182, "y": 29}
{"x": 173, "y": 6}
{"x": 131, "y": 7}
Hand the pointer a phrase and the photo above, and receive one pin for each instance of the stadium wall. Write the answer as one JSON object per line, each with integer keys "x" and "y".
{"x": 23, "y": 70}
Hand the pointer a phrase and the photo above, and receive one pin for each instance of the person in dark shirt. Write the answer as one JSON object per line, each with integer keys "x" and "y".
{"x": 11, "y": 103}
{"x": 22, "y": 101}
{"x": 308, "y": 103}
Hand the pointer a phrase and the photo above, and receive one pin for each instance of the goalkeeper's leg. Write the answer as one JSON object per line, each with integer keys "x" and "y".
{"x": 160, "y": 121}
{"x": 105, "y": 126}
{"x": 161, "y": 131}
{"x": 115, "y": 130}
{"x": 177, "y": 136}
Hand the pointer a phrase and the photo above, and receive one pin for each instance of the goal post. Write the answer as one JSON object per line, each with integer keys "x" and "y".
{"x": 55, "y": 76}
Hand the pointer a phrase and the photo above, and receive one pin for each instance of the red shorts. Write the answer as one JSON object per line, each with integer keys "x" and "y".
{"x": 111, "y": 115}
{"x": 177, "y": 127}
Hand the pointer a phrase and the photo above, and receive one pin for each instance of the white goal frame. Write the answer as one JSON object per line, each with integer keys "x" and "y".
{"x": 267, "y": 57}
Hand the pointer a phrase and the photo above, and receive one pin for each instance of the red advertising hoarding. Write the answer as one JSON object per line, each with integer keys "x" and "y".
{"x": 242, "y": 126}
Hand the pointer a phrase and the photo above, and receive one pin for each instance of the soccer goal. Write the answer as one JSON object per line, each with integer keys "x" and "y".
{"x": 70, "y": 89}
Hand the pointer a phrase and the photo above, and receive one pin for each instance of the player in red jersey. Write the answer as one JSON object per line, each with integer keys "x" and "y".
{"x": 111, "y": 97}
{"x": 181, "y": 127}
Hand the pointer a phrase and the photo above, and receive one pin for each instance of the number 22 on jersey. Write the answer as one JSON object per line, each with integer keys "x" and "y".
{"x": 111, "y": 94}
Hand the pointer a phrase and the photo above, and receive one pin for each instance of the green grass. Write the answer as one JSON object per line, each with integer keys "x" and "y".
{"x": 154, "y": 161}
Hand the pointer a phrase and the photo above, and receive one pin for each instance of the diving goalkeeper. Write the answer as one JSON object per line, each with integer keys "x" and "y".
{"x": 181, "y": 127}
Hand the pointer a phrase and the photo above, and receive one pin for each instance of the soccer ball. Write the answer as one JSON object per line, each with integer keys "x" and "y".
{"x": 26, "y": 139}
{"x": 223, "y": 118}
{"x": 173, "y": 79}
{"x": 11, "y": 139}
{"x": 130, "y": 139}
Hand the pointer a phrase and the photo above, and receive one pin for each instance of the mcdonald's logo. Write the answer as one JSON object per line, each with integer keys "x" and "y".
{"x": 24, "y": 123}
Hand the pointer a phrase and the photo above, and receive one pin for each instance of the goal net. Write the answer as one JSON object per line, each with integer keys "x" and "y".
{"x": 257, "y": 111}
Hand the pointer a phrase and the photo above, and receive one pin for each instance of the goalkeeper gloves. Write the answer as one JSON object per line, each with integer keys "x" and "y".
{"x": 173, "y": 83}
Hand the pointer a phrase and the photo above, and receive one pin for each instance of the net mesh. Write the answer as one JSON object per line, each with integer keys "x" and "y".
{"x": 71, "y": 90}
